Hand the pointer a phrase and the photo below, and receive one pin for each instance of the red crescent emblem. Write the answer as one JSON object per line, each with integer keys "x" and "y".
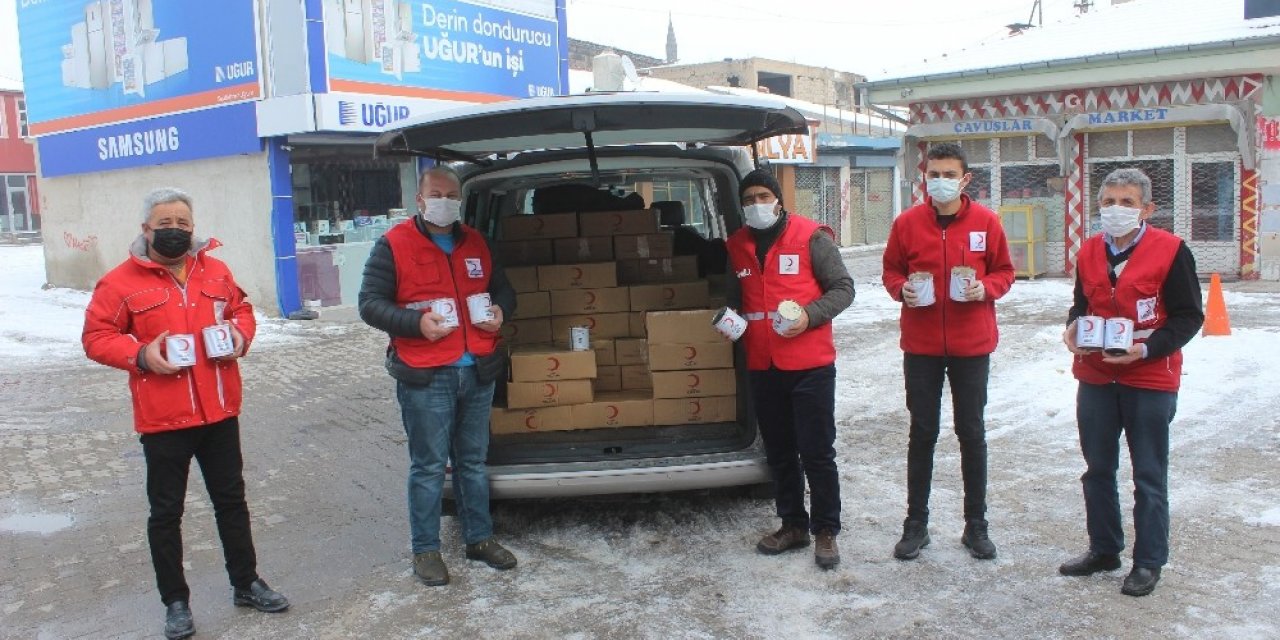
{"x": 695, "y": 407}
{"x": 1088, "y": 324}
{"x": 695, "y": 380}
{"x": 1120, "y": 329}
{"x": 512, "y": 329}
{"x": 617, "y": 221}
{"x": 577, "y": 273}
{"x": 183, "y": 343}
{"x": 591, "y": 322}
{"x": 668, "y": 293}
{"x": 613, "y": 412}
{"x": 554, "y": 363}
{"x": 530, "y": 422}
{"x": 591, "y": 297}
{"x": 690, "y": 352}
{"x": 538, "y": 223}
{"x": 549, "y": 390}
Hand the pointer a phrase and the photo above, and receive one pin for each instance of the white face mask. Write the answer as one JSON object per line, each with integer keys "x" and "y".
{"x": 943, "y": 190}
{"x": 1118, "y": 220}
{"x": 760, "y": 215}
{"x": 441, "y": 212}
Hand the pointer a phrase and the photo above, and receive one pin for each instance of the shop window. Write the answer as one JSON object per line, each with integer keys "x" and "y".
{"x": 1045, "y": 148}
{"x": 1211, "y": 139}
{"x": 1213, "y": 186}
{"x": 1153, "y": 142}
{"x": 1109, "y": 144}
{"x": 1013, "y": 149}
{"x": 1029, "y": 181}
{"x": 976, "y": 151}
{"x": 979, "y": 187}
{"x": 340, "y": 198}
{"x": 1162, "y": 189}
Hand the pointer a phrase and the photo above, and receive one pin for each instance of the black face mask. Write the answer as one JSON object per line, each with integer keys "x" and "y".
{"x": 171, "y": 242}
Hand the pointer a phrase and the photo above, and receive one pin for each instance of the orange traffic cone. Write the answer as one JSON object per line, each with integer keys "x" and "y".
{"x": 1216, "y": 321}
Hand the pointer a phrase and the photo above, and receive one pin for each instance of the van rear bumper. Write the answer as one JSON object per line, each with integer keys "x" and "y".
{"x": 506, "y": 483}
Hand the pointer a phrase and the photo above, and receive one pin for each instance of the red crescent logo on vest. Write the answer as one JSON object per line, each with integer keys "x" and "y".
{"x": 690, "y": 352}
{"x": 695, "y": 407}
{"x": 695, "y": 380}
{"x": 549, "y": 390}
{"x": 530, "y": 422}
{"x": 612, "y": 412}
{"x": 553, "y": 363}
{"x": 789, "y": 262}
{"x": 668, "y": 293}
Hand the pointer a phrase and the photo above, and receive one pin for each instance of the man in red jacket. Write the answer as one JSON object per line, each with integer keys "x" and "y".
{"x": 1138, "y": 272}
{"x": 948, "y": 262}
{"x": 148, "y": 316}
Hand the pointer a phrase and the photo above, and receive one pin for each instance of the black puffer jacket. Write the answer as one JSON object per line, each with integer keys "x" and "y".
{"x": 379, "y": 310}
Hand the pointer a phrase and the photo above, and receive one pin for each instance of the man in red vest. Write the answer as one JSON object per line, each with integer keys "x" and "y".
{"x": 781, "y": 257}
{"x": 1145, "y": 274}
{"x": 445, "y": 362}
{"x": 948, "y": 262}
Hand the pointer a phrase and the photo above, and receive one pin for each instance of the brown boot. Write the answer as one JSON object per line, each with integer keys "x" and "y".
{"x": 784, "y": 539}
{"x": 825, "y": 552}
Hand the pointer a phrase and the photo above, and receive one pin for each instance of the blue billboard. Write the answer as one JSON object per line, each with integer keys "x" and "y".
{"x": 88, "y": 63}
{"x": 447, "y": 49}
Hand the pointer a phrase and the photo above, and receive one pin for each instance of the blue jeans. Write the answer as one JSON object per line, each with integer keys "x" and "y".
{"x": 447, "y": 420}
{"x": 1102, "y": 413}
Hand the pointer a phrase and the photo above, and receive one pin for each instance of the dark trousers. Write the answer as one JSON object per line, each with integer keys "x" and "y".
{"x": 217, "y": 448}
{"x": 796, "y": 413}
{"x": 1102, "y": 413}
{"x": 968, "y": 379}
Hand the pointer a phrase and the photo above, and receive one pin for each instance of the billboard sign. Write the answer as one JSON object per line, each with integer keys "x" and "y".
{"x": 791, "y": 148}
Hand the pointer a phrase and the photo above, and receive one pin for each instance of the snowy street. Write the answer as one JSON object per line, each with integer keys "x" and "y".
{"x": 325, "y": 464}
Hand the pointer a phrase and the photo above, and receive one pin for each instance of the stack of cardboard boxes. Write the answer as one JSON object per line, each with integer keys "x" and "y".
{"x": 655, "y": 358}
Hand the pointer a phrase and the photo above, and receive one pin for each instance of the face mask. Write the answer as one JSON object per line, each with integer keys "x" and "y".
{"x": 1118, "y": 220}
{"x": 171, "y": 242}
{"x": 760, "y": 215}
{"x": 943, "y": 190}
{"x": 441, "y": 212}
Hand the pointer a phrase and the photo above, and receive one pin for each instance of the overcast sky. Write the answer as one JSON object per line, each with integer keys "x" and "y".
{"x": 863, "y": 36}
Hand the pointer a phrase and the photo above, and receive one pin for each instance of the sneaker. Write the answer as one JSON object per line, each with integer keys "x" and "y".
{"x": 492, "y": 554}
{"x": 915, "y": 536}
{"x": 825, "y": 552}
{"x": 259, "y": 596}
{"x": 975, "y": 538}
{"x": 784, "y": 539}
{"x": 1140, "y": 581}
{"x": 430, "y": 569}
{"x": 1090, "y": 563}
{"x": 178, "y": 623}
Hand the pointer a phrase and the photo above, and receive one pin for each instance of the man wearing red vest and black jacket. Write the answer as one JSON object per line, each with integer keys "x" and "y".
{"x": 948, "y": 331}
{"x": 782, "y": 257}
{"x": 1136, "y": 271}
{"x": 445, "y": 362}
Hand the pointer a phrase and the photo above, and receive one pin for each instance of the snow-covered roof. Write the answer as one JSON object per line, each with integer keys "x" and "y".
{"x": 819, "y": 112}
{"x": 581, "y": 81}
{"x": 10, "y": 84}
{"x": 1131, "y": 27}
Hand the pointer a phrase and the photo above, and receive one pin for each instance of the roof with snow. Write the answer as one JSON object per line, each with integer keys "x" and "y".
{"x": 1111, "y": 31}
{"x": 10, "y": 84}
{"x": 879, "y": 125}
{"x": 582, "y": 81}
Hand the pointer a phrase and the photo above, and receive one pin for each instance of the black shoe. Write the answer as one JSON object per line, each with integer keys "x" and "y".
{"x": 492, "y": 554}
{"x": 915, "y": 536}
{"x": 1140, "y": 581}
{"x": 975, "y": 538}
{"x": 1090, "y": 563}
{"x": 260, "y": 597}
{"x": 177, "y": 621}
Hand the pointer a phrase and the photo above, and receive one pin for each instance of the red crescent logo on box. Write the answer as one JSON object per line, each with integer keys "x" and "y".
{"x": 222, "y": 333}
{"x": 182, "y": 343}
{"x": 591, "y": 322}
{"x": 591, "y": 297}
{"x": 511, "y": 329}
{"x": 530, "y": 422}
{"x": 695, "y": 407}
{"x": 446, "y": 308}
{"x": 668, "y": 293}
{"x": 1088, "y": 324}
{"x": 617, "y": 221}
{"x": 577, "y": 273}
{"x": 1120, "y": 329}
{"x": 549, "y": 390}
{"x": 538, "y": 223}
{"x": 553, "y": 363}
{"x": 695, "y": 380}
{"x": 690, "y": 352}
{"x": 612, "y": 412}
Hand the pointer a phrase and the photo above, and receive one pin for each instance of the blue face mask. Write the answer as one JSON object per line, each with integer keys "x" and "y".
{"x": 943, "y": 190}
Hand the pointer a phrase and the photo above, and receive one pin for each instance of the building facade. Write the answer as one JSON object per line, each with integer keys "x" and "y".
{"x": 19, "y": 201}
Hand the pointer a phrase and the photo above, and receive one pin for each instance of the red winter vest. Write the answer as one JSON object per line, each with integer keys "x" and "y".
{"x": 787, "y": 274}
{"x": 1136, "y": 296}
{"x": 424, "y": 272}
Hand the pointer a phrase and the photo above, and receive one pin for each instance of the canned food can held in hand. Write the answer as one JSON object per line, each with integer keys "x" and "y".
{"x": 180, "y": 350}
{"x": 961, "y": 278}
{"x": 478, "y": 308}
{"x": 1119, "y": 336}
{"x": 218, "y": 341}
{"x": 579, "y": 338}
{"x": 921, "y": 283}
{"x": 788, "y": 314}
{"x": 1089, "y": 332}
{"x": 447, "y": 308}
{"x": 729, "y": 324}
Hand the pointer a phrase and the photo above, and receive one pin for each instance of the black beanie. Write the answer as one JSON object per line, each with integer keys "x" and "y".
{"x": 760, "y": 178}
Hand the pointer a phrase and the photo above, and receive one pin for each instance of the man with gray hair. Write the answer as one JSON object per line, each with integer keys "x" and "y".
{"x": 173, "y": 318}
{"x": 1142, "y": 279}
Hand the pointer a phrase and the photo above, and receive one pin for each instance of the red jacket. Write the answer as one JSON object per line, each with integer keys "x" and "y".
{"x": 1137, "y": 287}
{"x": 918, "y": 243}
{"x": 139, "y": 300}
{"x": 424, "y": 272}
{"x": 763, "y": 287}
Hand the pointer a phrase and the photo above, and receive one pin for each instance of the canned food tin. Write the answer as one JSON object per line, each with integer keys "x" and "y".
{"x": 1118, "y": 336}
{"x": 921, "y": 283}
{"x": 478, "y": 308}
{"x": 217, "y": 341}
{"x": 729, "y": 323}
{"x": 788, "y": 314}
{"x": 961, "y": 278}
{"x": 180, "y": 350}
{"x": 446, "y": 307}
{"x": 579, "y": 338}
{"x": 1089, "y": 332}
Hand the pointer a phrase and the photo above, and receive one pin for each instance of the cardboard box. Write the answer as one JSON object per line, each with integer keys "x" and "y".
{"x": 681, "y": 327}
{"x": 636, "y": 376}
{"x": 534, "y": 304}
{"x": 631, "y": 351}
{"x": 525, "y": 332}
{"x": 532, "y": 364}
{"x": 568, "y": 302}
{"x": 519, "y": 253}
{"x": 530, "y": 420}
{"x": 695, "y": 410}
{"x": 612, "y": 223}
{"x": 662, "y": 297}
{"x": 530, "y": 395}
{"x": 616, "y": 409}
{"x": 595, "y": 275}
{"x": 608, "y": 378}
{"x": 658, "y": 270}
{"x": 701, "y": 383}
{"x": 645, "y": 245}
{"x": 540, "y": 226}
{"x": 680, "y": 357}
{"x": 523, "y": 279}
{"x": 574, "y": 250}
{"x": 637, "y": 325}
{"x": 606, "y": 353}
{"x": 601, "y": 325}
